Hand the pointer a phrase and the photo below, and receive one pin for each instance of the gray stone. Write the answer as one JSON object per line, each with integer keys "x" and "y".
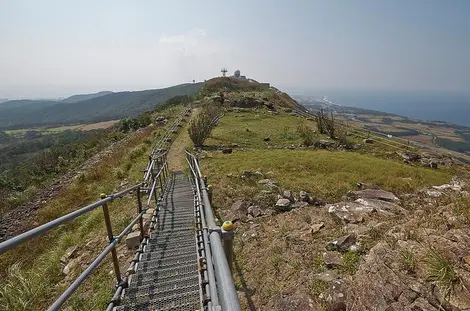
{"x": 70, "y": 266}
{"x": 433, "y": 193}
{"x": 255, "y": 211}
{"x": 349, "y": 212}
{"x": 327, "y": 276}
{"x": 380, "y": 205}
{"x": 239, "y": 210}
{"x": 317, "y": 227}
{"x": 376, "y": 194}
{"x": 133, "y": 240}
{"x": 336, "y": 296}
{"x": 267, "y": 182}
{"x": 341, "y": 244}
{"x": 300, "y": 205}
{"x": 304, "y": 196}
{"x": 69, "y": 253}
{"x": 287, "y": 194}
{"x": 283, "y": 205}
{"x": 332, "y": 259}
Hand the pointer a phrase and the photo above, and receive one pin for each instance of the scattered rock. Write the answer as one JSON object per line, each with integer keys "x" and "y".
{"x": 283, "y": 205}
{"x": 332, "y": 259}
{"x": 255, "y": 211}
{"x": 342, "y": 244}
{"x": 375, "y": 194}
{"x": 304, "y": 197}
{"x": 133, "y": 240}
{"x": 336, "y": 296}
{"x": 300, "y": 205}
{"x": 368, "y": 141}
{"x": 317, "y": 227}
{"x": 69, "y": 253}
{"x": 267, "y": 182}
{"x": 227, "y": 150}
{"x": 349, "y": 212}
{"x": 70, "y": 266}
{"x": 433, "y": 193}
{"x": 287, "y": 194}
{"x": 239, "y": 210}
{"x": 327, "y": 276}
{"x": 411, "y": 156}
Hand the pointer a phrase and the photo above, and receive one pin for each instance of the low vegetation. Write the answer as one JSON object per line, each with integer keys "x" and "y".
{"x": 201, "y": 126}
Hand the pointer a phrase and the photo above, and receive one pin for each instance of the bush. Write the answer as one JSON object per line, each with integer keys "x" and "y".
{"x": 202, "y": 125}
{"x": 325, "y": 125}
{"x": 307, "y": 135}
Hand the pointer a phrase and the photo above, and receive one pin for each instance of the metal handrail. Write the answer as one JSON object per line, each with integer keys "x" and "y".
{"x": 227, "y": 293}
{"x": 157, "y": 179}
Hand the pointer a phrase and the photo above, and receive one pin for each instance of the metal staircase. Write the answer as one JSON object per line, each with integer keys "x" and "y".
{"x": 167, "y": 275}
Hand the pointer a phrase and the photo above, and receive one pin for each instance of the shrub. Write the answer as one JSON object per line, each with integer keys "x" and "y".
{"x": 202, "y": 125}
{"x": 307, "y": 135}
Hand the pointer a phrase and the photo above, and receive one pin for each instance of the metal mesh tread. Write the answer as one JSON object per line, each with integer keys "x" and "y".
{"x": 166, "y": 253}
{"x": 167, "y": 275}
{"x": 164, "y": 275}
{"x": 167, "y": 262}
{"x": 181, "y": 302}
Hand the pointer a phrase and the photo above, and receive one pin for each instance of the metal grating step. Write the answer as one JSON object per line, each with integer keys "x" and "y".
{"x": 152, "y": 292}
{"x": 160, "y": 253}
{"x": 167, "y": 262}
{"x": 143, "y": 278}
{"x": 182, "y": 302}
{"x": 162, "y": 284}
{"x": 176, "y": 245}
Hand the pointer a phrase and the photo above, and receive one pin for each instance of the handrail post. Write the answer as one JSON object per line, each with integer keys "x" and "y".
{"x": 139, "y": 210}
{"x": 228, "y": 233}
{"x": 109, "y": 228}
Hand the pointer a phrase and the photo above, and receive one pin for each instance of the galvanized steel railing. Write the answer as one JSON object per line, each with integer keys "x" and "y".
{"x": 155, "y": 176}
{"x": 220, "y": 288}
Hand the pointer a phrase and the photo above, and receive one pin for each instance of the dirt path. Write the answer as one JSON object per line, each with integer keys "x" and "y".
{"x": 176, "y": 156}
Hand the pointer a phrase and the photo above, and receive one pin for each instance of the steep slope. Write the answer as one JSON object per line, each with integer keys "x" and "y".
{"x": 81, "y": 97}
{"x": 17, "y": 114}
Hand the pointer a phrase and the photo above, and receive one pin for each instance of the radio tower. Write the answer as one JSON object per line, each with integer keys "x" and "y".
{"x": 223, "y": 71}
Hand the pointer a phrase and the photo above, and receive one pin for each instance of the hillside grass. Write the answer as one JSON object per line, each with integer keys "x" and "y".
{"x": 37, "y": 262}
{"x": 250, "y": 128}
{"x": 326, "y": 174}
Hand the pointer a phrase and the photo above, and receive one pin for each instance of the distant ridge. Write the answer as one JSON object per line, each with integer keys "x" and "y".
{"x": 35, "y": 113}
{"x": 81, "y": 97}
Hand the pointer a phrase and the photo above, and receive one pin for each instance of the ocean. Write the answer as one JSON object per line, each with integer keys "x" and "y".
{"x": 430, "y": 106}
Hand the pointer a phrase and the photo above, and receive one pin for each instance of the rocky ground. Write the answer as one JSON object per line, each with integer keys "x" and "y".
{"x": 371, "y": 251}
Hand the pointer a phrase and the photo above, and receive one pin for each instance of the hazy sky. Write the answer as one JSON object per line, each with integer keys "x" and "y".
{"x": 57, "y": 48}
